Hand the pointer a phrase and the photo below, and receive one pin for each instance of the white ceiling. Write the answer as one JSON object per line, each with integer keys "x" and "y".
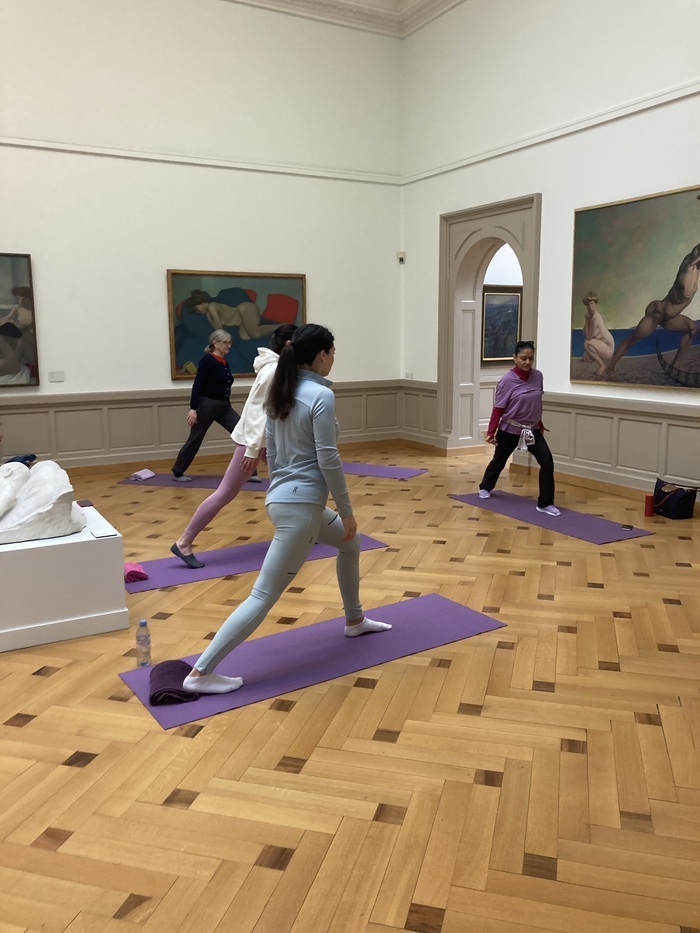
{"x": 397, "y": 18}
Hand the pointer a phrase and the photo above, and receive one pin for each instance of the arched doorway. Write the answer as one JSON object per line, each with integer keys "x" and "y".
{"x": 502, "y": 294}
{"x": 468, "y": 242}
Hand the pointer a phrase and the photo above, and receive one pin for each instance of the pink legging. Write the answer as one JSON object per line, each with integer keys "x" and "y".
{"x": 226, "y": 492}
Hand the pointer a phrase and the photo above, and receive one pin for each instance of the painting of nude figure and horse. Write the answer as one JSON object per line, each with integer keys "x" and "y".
{"x": 635, "y": 316}
{"x": 247, "y": 305}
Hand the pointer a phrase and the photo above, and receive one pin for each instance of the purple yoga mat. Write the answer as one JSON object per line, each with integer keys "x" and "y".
{"x": 212, "y": 482}
{"x": 574, "y": 524}
{"x": 171, "y": 571}
{"x": 291, "y": 660}
{"x": 198, "y": 482}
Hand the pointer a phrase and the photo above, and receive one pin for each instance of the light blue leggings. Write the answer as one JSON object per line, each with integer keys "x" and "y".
{"x": 298, "y": 527}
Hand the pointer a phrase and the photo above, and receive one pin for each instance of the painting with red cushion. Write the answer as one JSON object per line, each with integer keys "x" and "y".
{"x": 248, "y": 305}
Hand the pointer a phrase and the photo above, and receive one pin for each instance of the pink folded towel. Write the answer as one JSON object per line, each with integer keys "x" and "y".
{"x": 143, "y": 474}
{"x": 134, "y": 572}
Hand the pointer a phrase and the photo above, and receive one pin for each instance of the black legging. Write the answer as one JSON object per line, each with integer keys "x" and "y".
{"x": 505, "y": 445}
{"x": 209, "y": 411}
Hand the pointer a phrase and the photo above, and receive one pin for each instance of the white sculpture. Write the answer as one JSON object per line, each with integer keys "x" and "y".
{"x": 37, "y": 503}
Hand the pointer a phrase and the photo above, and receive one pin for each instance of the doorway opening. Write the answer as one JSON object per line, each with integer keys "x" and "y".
{"x": 469, "y": 241}
{"x": 501, "y": 324}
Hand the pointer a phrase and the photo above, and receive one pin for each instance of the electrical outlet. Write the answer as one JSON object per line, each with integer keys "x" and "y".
{"x": 409, "y": 375}
{"x": 57, "y": 376}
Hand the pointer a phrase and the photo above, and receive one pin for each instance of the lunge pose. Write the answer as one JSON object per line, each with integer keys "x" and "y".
{"x": 302, "y": 454}
{"x": 209, "y": 402}
{"x": 516, "y": 422}
{"x": 249, "y": 437}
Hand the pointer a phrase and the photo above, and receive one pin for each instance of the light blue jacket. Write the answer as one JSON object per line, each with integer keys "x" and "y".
{"x": 302, "y": 450}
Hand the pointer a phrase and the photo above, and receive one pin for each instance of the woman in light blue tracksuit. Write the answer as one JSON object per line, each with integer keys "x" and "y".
{"x": 304, "y": 463}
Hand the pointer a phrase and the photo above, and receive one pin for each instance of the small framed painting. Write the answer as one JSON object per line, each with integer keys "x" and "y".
{"x": 18, "y": 352}
{"x": 247, "y": 305}
{"x": 500, "y": 322}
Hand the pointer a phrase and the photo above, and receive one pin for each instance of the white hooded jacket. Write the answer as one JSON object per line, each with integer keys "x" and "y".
{"x": 250, "y": 430}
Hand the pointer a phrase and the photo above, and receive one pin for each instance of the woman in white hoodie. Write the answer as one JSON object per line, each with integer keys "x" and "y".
{"x": 249, "y": 437}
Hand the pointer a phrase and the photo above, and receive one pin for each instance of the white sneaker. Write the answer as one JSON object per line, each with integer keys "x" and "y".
{"x": 549, "y": 509}
{"x": 484, "y": 494}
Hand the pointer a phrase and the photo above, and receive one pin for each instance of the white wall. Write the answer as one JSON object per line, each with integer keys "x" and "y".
{"x": 309, "y": 125}
{"x": 490, "y": 72}
{"x": 651, "y": 150}
{"x": 201, "y": 78}
{"x": 207, "y": 80}
{"x": 102, "y": 233}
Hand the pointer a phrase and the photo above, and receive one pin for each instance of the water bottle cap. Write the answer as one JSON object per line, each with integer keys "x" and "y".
{"x": 143, "y": 622}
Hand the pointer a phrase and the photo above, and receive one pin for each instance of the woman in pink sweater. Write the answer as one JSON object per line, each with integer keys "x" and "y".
{"x": 516, "y": 422}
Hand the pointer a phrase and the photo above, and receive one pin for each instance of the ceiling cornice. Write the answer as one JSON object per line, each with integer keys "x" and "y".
{"x": 397, "y": 18}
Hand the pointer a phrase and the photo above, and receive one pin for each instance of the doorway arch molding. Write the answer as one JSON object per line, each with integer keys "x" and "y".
{"x": 468, "y": 241}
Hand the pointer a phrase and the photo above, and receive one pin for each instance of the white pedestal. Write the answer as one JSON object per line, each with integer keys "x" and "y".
{"x": 60, "y": 588}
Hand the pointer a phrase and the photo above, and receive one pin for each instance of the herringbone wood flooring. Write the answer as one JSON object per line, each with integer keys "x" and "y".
{"x": 543, "y": 777}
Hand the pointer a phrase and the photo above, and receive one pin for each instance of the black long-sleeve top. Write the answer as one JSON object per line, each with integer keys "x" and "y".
{"x": 213, "y": 380}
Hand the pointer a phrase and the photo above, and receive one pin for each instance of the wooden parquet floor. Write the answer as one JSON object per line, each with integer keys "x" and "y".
{"x": 542, "y": 777}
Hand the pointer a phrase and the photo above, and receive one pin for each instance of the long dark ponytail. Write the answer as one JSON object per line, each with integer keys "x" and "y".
{"x": 305, "y": 345}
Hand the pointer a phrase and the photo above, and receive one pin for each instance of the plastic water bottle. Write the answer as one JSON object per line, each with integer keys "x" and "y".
{"x": 143, "y": 644}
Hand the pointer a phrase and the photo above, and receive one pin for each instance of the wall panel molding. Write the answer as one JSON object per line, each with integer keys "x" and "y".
{"x": 622, "y": 442}
{"x": 611, "y": 441}
{"x": 126, "y": 427}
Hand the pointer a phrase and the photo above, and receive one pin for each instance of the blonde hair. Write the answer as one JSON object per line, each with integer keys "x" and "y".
{"x": 214, "y": 336}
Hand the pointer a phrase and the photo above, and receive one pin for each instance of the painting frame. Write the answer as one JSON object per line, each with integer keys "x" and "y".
{"x": 19, "y": 363}
{"x": 501, "y": 321}
{"x": 632, "y": 323}
{"x": 248, "y": 305}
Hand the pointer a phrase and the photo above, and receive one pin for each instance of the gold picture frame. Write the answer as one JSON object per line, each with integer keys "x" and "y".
{"x": 248, "y": 305}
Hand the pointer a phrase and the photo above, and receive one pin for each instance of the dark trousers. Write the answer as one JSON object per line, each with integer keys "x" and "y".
{"x": 505, "y": 445}
{"x": 209, "y": 411}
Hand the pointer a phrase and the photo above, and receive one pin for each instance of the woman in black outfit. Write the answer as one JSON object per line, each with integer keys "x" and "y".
{"x": 210, "y": 401}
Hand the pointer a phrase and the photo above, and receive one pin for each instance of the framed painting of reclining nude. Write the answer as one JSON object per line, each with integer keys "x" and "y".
{"x": 247, "y": 305}
{"x": 635, "y": 317}
{"x": 18, "y": 353}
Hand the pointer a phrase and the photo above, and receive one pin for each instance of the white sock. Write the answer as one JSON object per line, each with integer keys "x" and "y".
{"x": 211, "y": 683}
{"x": 549, "y": 509}
{"x": 367, "y": 625}
{"x": 484, "y": 494}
